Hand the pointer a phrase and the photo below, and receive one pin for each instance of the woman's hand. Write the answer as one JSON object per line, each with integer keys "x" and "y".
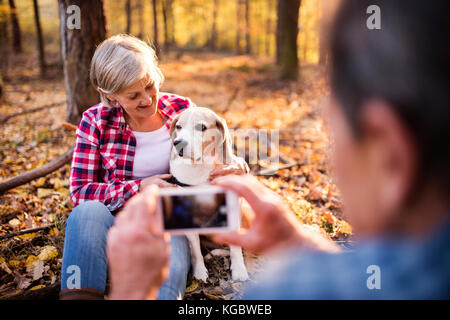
{"x": 137, "y": 250}
{"x": 239, "y": 166}
{"x": 274, "y": 225}
{"x": 159, "y": 180}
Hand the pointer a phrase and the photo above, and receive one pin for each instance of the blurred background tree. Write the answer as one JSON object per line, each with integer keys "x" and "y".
{"x": 287, "y": 31}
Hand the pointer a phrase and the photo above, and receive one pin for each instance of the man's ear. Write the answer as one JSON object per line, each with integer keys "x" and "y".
{"x": 392, "y": 148}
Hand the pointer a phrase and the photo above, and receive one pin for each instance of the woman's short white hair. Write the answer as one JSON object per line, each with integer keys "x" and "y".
{"x": 119, "y": 62}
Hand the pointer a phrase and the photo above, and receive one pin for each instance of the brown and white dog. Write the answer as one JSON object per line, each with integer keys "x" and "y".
{"x": 202, "y": 143}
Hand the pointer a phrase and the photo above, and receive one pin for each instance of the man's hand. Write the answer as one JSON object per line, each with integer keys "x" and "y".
{"x": 137, "y": 249}
{"x": 274, "y": 226}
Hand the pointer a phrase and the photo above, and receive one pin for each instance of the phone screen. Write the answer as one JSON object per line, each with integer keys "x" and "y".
{"x": 206, "y": 210}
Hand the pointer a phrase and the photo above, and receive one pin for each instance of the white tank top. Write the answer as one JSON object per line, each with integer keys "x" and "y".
{"x": 152, "y": 154}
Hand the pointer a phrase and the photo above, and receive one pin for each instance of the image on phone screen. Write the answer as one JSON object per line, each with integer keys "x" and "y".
{"x": 207, "y": 210}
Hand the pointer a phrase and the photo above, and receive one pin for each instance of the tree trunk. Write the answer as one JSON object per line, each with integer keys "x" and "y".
{"x": 3, "y": 26}
{"x": 128, "y": 13}
{"x": 37, "y": 21}
{"x": 323, "y": 33}
{"x": 17, "y": 33}
{"x": 169, "y": 8}
{"x": 268, "y": 26}
{"x": 77, "y": 48}
{"x": 247, "y": 27}
{"x": 166, "y": 27}
{"x": 1, "y": 88}
{"x": 155, "y": 28}
{"x": 140, "y": 9}
{"x": 213, "y": 42}
{"x": 287, "y": 31}
{"x": 238, "y": 27}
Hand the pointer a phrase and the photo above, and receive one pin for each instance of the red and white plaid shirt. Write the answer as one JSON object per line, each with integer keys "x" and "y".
{"x": 102, "y": 163}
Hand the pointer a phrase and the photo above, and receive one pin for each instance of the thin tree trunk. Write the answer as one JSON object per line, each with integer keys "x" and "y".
{"x": 287, "y": 31}
{"x": 238, "y": 27}
{"x": 247, "y": 27}
{"x": 128, "y": 13}
{"x": 37, "y": 21}
{"x": 155, "y": 28}
{"x": 17, "y": 33}
{"x": 3, "y": 26}
{"x": 171, "y": 23}
{"x": 140, "y": 9}
{"x": 166, "y": 27}
{"x": 214, "y": 27}
{"x": 77, "y": 49}
{"x": 268, "y": 26}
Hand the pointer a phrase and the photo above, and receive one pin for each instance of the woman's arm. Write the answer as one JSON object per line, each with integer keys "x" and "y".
{"x": 86, "y": 167}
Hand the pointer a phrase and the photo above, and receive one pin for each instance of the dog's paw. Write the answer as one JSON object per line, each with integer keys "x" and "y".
{"x": 200, "y": 272}
{"x": 239, "y": 272}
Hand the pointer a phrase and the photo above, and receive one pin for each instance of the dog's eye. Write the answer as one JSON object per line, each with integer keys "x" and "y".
{"x": 200, "y": 127}
{"x": 178, "y": 126}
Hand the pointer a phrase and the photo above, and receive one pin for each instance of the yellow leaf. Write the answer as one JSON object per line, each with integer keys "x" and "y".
{"x": 14, "y": 263}
{"x": 4, "y": 266}
{"x": 42, "y": 192}
{"x": 192, "y": 287}
{"x": 37, "y": 287}
{"x": 27, "y": 236}
{"x": 345, "y": 228}
{"x": 47, "y": 253}
{"x": 30, "y": 260}
{"x": 40, "y": 182}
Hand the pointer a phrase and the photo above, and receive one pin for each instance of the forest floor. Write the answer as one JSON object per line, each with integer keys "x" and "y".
{"x": 242, "y": 89}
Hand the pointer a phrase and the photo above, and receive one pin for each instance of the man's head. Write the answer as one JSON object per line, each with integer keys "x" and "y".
{"x": 389, "y": 110}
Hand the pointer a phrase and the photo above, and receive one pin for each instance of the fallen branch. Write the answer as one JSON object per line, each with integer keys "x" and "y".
{"x": 21, "y": 232}
{"x": 26, "y": 177}
{"x": 47, "y": 293}
{"x": 12, "y": 115}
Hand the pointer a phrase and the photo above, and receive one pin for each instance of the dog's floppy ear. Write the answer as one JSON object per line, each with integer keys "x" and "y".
{"x": 173, "y": 124}
{"x": 226, "y": 150}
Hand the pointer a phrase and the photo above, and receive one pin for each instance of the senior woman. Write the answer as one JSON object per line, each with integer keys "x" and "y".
{"x": 123, "y": 145}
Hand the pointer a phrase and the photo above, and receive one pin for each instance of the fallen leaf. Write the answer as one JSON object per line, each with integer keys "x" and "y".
{"x": 192, "y": 287}
{"x": 47, "y": 253}
{"x": 37, "y": 287}
{"x": 42, "y": 192}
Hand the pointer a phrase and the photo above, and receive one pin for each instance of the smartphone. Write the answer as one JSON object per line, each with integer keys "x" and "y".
{"x": 204, "y": 209}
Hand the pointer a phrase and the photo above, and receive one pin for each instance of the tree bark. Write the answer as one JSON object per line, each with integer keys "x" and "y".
{"x": 287, "y": 31}
{"x": 155, "y": 28}
{"x": 128, "y": 13}
{"x": 77, "y": 49}
{"x": 40, "y": 42}
{"x": 17, "y": 33}
{"x": 247, "y": 27}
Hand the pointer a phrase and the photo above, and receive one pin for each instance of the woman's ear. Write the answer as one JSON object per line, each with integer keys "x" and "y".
{"x": 226, "y": 151}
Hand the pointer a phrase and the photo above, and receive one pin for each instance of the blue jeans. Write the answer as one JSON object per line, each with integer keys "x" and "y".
{"x": 84, "y": 251}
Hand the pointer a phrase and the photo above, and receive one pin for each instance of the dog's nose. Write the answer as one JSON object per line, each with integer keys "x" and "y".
{"x": 179, "y": 145}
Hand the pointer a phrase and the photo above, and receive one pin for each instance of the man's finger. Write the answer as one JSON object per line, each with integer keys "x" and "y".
{"x": 246, "y": 187}
{"x": 234, "y": 238}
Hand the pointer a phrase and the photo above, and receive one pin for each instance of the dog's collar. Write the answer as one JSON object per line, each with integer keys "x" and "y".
{"x": 174, "y": 180}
